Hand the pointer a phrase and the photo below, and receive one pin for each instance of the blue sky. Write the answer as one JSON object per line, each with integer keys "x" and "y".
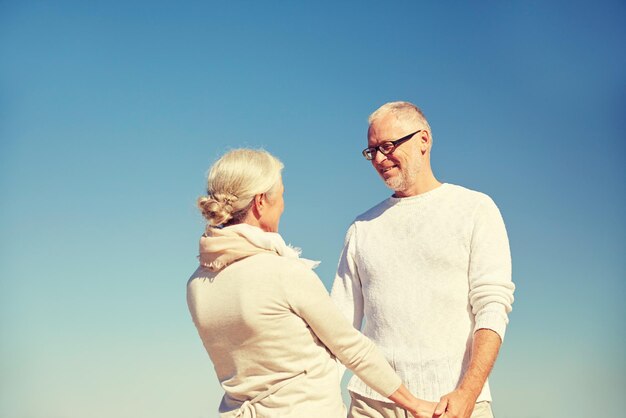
{"x": 112, "y": 112}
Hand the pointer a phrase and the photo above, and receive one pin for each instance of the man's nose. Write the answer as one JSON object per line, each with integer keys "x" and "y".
{"x": 379, "y": 157}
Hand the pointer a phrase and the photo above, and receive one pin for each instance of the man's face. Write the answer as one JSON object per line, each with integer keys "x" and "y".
{"x": 400, "y": 168}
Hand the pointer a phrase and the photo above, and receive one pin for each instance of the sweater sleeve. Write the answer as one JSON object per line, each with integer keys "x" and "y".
{"x": 346, "y": 291}
{"x": 309, "y": 299}
{"x": 491, "y": 288}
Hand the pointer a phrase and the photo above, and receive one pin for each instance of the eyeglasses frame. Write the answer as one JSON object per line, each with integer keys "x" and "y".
{"x": 395, "y": 143}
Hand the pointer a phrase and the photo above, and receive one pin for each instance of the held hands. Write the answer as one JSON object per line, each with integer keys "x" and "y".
{"x": 457, "y": 404}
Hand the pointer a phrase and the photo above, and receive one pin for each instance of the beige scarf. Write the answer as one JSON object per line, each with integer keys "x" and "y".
{"x": 220, "y": 247}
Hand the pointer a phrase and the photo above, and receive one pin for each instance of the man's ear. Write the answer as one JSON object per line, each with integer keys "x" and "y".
{"x": 425, "y": 142}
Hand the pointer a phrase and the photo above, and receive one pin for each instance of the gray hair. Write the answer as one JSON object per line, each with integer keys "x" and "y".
{"x": 234, "y": 180}
{"x": 404, "y": 112}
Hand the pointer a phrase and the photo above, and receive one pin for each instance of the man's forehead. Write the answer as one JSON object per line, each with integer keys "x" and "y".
{"x": 386, "y": 129}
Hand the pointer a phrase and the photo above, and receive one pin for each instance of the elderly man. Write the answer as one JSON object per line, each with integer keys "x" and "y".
{"x": 428, "y": 274}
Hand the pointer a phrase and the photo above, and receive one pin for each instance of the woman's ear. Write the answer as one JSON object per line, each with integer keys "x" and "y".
{"x": 260, "y": 201}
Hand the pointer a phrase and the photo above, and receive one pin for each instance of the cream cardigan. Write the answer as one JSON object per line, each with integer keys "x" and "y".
{"x": 265, "y": 318}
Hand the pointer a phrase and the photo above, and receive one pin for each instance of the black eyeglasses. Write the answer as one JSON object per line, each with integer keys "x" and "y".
{"x": 387, "y": 147}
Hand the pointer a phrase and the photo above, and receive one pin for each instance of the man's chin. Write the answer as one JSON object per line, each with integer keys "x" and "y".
{"x": 394, "y": 183}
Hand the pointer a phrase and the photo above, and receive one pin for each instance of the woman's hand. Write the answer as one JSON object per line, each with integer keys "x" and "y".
{"x": 423, "y": 409}
{"x": 417, "y": 407}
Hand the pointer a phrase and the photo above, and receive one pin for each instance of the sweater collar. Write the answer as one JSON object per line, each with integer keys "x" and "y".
{"x": 420, "y": 197}
{"x": 220, "y": 247}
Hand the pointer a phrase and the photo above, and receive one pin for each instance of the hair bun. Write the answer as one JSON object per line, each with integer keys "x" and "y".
{"x": 217, "y": 209}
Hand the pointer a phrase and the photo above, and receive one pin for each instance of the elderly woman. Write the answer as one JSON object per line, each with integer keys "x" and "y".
{"x": 263, "y": 315}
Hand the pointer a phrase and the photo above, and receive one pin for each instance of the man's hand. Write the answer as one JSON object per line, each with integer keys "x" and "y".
{"x": 461, "y": 402}
{"x": 457, "y": 404}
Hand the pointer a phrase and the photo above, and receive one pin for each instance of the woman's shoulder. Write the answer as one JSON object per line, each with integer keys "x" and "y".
{"x": 283, "y": 265}
{"x": 267, "y": 264}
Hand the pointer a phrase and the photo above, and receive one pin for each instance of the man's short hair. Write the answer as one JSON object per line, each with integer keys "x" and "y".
{"x": 405, "y": 112}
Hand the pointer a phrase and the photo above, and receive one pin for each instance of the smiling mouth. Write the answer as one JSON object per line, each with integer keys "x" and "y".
{"x": 385, "y": 170}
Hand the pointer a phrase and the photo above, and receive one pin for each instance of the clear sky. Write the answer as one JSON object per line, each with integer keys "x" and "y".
{"x": 111, "y": 113}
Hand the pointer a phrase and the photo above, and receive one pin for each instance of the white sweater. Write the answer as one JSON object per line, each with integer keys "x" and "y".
{"x": 425, "y": 273}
